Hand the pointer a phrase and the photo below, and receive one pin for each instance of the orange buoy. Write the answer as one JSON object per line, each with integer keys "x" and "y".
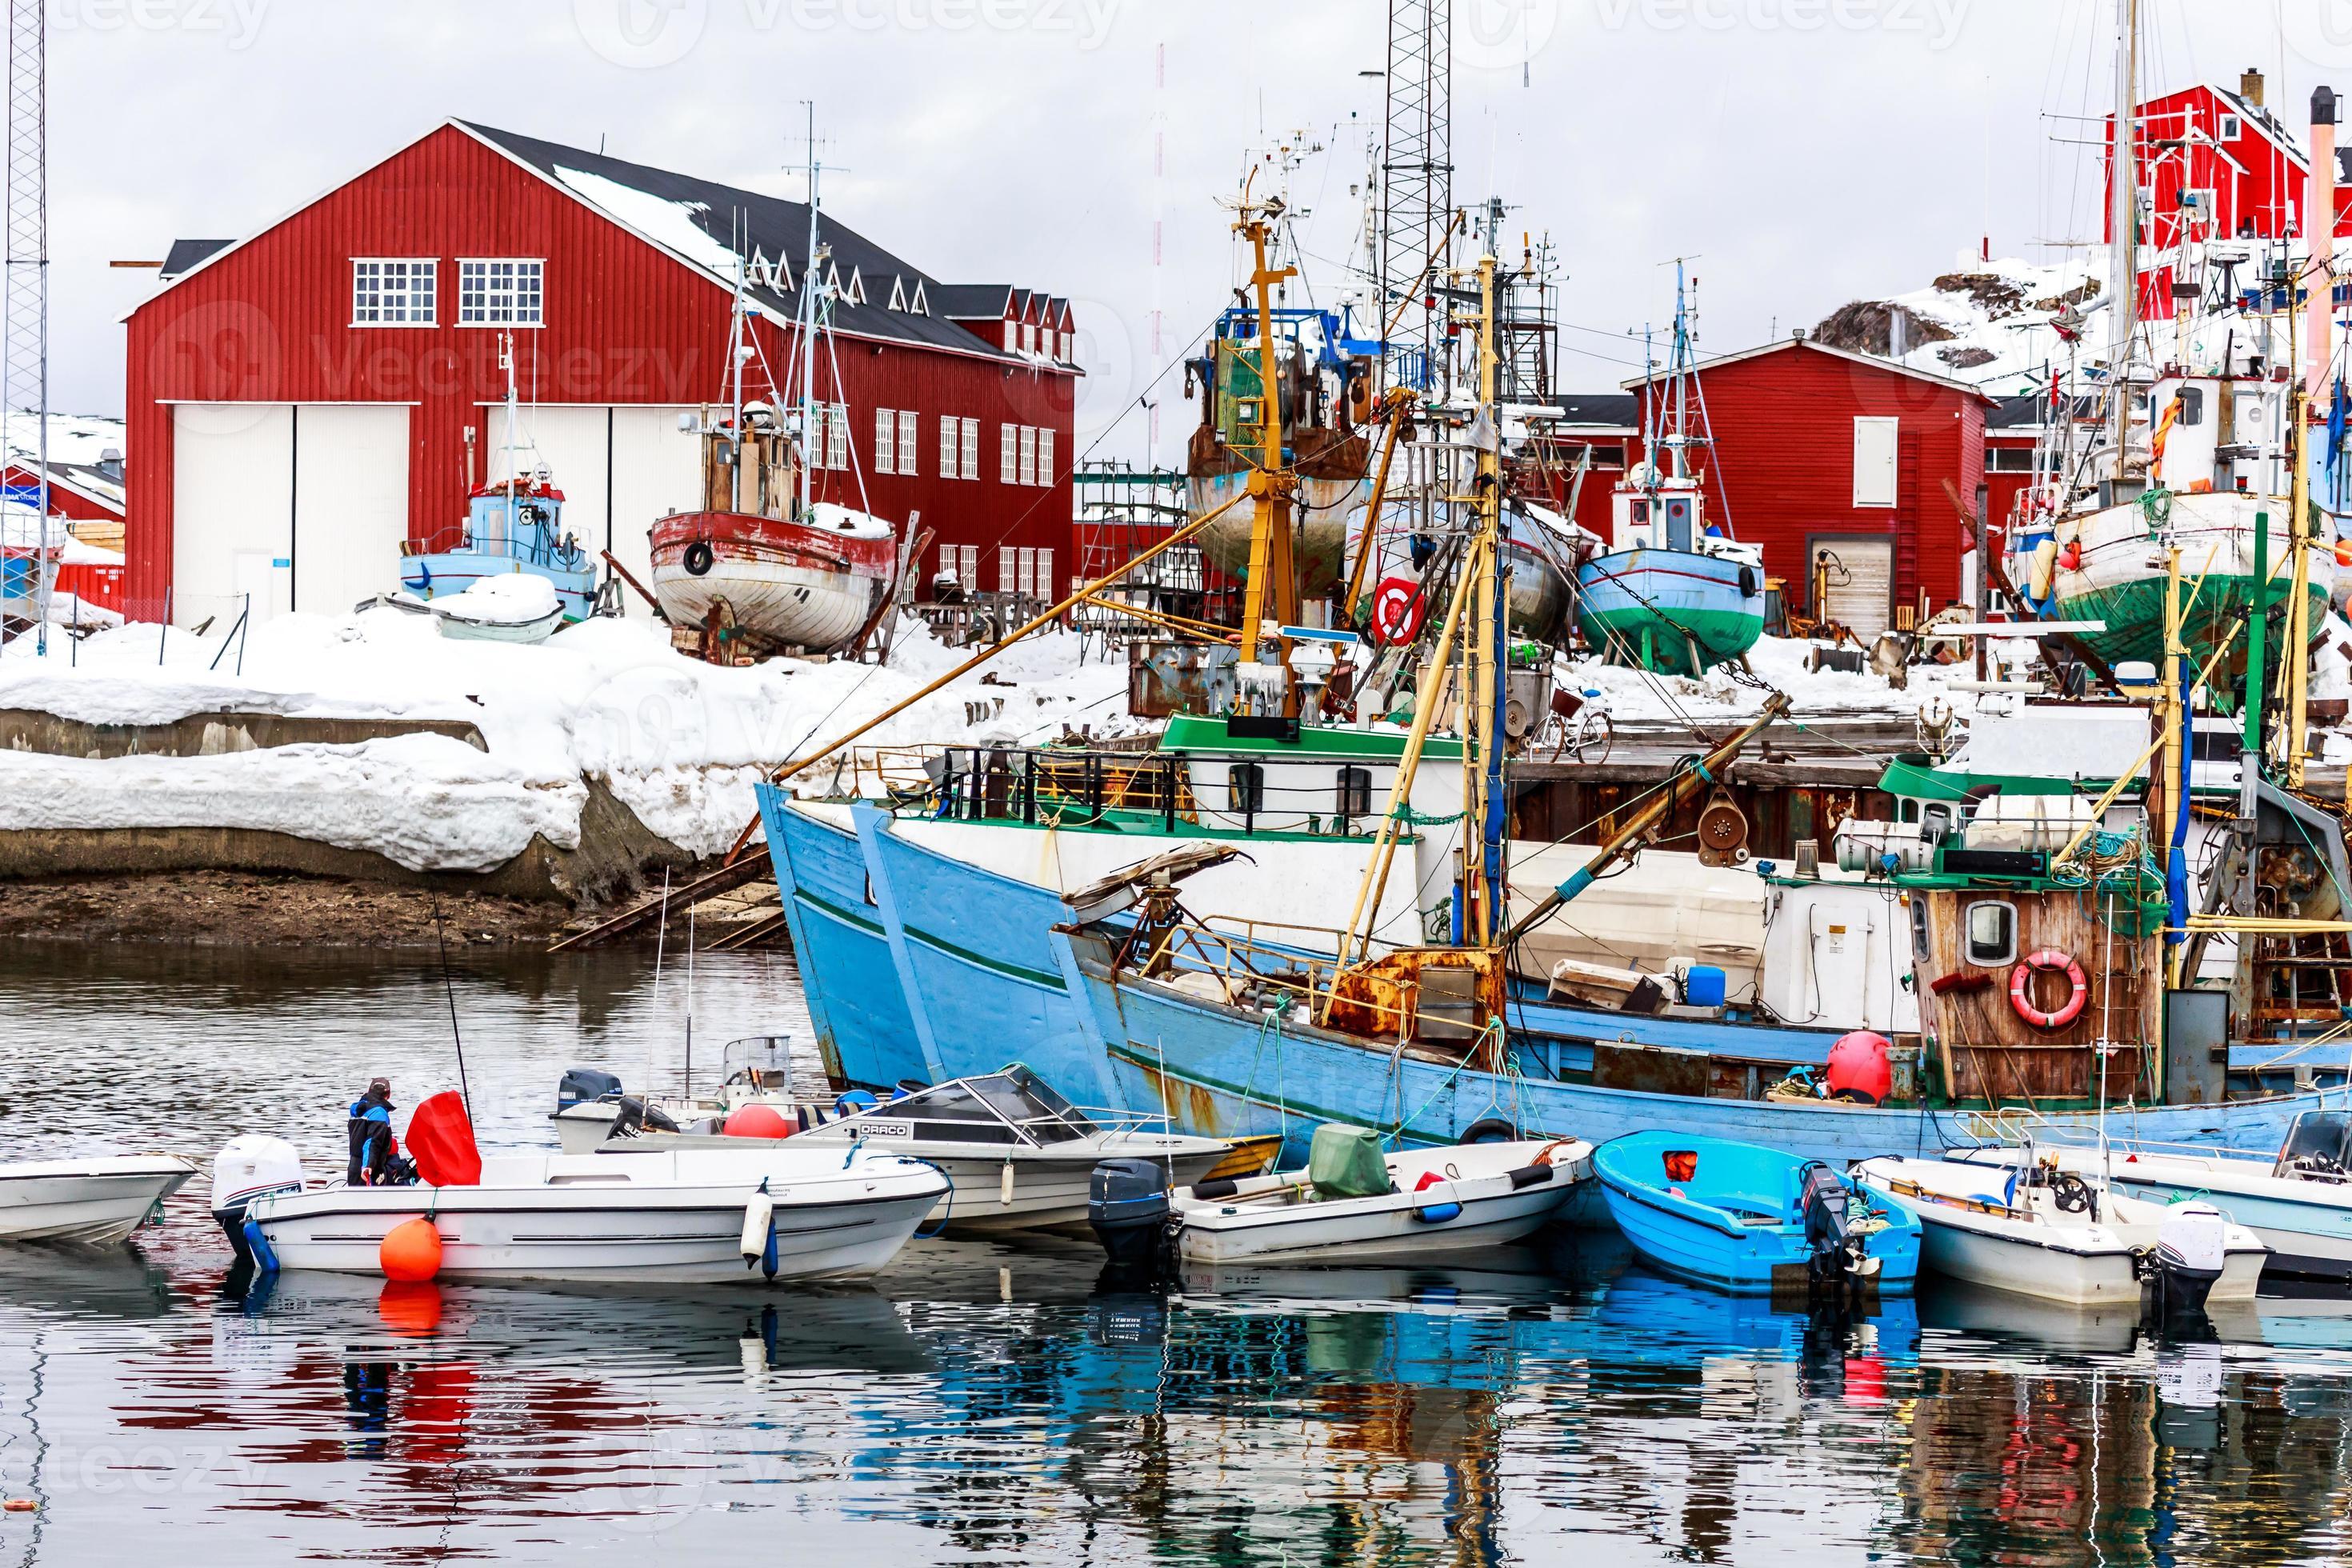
{"x": 756, "y": 1122}
{"x": 22, "y": 1505}
{"x": 410, "y": 1251}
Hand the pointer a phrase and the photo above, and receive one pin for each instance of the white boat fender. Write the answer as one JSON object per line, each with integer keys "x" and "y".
{"x": 1005, "y": 1186}
{"x": 759, "y": 1241}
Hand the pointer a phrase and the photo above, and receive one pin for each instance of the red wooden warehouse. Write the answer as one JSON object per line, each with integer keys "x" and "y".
{"x": 303, "y": 400}
{"x": 1837, "y": 464}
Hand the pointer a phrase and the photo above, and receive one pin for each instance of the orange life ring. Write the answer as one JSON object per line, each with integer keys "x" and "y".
{"x": 2049, "y": 959}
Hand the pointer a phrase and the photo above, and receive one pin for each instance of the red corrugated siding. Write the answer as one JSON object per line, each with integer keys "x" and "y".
{"x": 1783, "y": 469}
{"x": 624, "y": 324}
{"x": 63, "y": 502}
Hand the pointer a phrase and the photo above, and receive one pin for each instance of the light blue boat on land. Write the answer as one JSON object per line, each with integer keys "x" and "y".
{"x": 1752, "y": 1220}
{"x": 917, "y": 965}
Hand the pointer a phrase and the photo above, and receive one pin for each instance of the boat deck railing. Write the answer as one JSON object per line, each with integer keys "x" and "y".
{"x": 1066, "y": 787}
{"x": 1280, "y": 977}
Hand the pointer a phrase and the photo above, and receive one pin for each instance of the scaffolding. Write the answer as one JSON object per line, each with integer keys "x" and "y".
{"x": 24, "y": 311}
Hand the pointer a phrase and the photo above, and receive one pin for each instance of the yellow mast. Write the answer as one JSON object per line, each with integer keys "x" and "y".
{"x": 1483, "y": 907}
{"x": 1271, "y": 594}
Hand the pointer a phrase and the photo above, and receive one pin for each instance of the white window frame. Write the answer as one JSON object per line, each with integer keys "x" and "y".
{"x": 836, "y": 438}
{"x": 970, "y": 466}
{"x": 425, "y": 269}
{"x": 951, "y": 446}
{"x": 1028, "y": 337}
{"x": 886, "y": 441}
{"x": 1008, "y": 569}
{"x": 1044, "y": 455}
{"x": 1024, "y": 572}
{"x": 1028, "y": 459}
{"x": 2229, "y": 128}
{"x": 510, "y": 300}
{"x": 969, "y": 572}
{"x": 911, "y": 442}
{"x": 1864, "y": 496}
{"x": 1011, "y": 337}
{"x": 1008, "y": 454}
{"x": 1044, "y": 573}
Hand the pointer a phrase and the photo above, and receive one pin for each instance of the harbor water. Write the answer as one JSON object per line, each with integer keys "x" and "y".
{"x": 991, "y": 1402}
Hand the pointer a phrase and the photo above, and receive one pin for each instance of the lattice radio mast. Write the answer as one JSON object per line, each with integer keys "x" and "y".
{"x": 1416, "y": 197}
{"x": 24, "y": 354}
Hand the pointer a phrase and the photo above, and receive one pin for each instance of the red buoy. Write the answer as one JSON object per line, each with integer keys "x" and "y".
{"x": 756, "y": 1122}
{"x": 1858, "y": 1063}
{"x": 410, "y": 1252}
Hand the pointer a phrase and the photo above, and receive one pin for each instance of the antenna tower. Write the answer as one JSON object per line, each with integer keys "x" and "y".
{"x": 25, "y": 356}
{"x": 1416, "y": 196}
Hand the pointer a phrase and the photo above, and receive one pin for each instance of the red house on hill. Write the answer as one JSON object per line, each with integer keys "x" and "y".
{"x": 2244, "y": 171}
{"x": 1837, "y": 464}
{"x": 303, "y": 400}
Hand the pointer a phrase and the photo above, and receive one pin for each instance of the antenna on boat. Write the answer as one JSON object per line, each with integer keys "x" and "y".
{"x": 689, "y": 1001}
{"x": 449, "y": 987}
{"x": 661, "y": 943}
{"x": 805, "y": 327}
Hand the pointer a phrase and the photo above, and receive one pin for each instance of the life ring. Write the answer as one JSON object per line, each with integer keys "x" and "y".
{"x": 2048, "y": 959}
{"x": 1399, "y": 606}
{"x": 698, "y": 558}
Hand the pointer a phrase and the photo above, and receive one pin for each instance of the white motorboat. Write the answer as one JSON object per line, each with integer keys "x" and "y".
{"x": 753, "y": 1213}
{"x": 1353, "y": 1204}
{"x": 518, "y": 608}
{"x": 91, "y": 1202}
{"x": 2027, "y": 1226}
{"x": 2299, "y": 1204}
{"x": 1020, "y": 1156}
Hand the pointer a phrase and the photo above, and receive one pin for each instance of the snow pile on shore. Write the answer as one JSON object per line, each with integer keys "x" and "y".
{"x": 1989, "y": 323}
{"x": 679, "y": 741}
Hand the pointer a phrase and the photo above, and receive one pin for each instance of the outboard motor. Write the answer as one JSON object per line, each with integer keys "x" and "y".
{"x": 2191, "y": 1246}
{"x": 581, "y": 1086}
{"x": 1127, "y": 1204}
{"x": 250, "y": 1166}
{"x": 637, "y": 1117}
{"x": 1826, "y": 1203}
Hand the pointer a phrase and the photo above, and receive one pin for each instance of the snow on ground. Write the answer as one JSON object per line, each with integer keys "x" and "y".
{"x": 1779, "y": 663}
{"x": 679, "y": 742}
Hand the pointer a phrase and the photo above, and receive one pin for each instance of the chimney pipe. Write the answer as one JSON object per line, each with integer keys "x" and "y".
{"x": 2320, "y": 225}
{"x": 2250, "y": 88}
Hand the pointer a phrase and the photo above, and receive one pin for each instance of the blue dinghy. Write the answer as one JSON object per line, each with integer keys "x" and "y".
{"x": 1750, "y": 1219}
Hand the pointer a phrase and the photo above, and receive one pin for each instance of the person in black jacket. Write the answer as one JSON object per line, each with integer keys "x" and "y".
{"x": 370, "y": 1130}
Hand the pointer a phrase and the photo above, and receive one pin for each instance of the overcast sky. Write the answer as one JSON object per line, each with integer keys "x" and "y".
{"x": 1806, "y": 152}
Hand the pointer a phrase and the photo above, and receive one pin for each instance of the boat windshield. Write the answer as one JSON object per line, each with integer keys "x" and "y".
{"x": 2316, "y": 1143}
{"x": 975, "y": 1120}
{"x": 1020, "y": 1099}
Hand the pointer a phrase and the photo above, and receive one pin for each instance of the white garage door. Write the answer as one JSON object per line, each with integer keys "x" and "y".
{"x": 350, "y": 504}
{"x": 232, "y": 510}
{"x": 619, "y": 468}
{"x": 289, "y": 508}
{"x": 1860, "y": 586}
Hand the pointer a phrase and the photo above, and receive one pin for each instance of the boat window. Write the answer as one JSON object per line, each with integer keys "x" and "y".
{"x": 1991, "y": 933}
{"x": 1937, "y": 821}
{"x": 1354, "y": 792}
{"x": 946, "y": 1103}
{"x": 1041, "y": 1091}
{"x": 2316, "y": 1140}
{"x": 2192, "y": 405}
{"x": 1918, "y": 928}
{"x": 1907, "y": 809}
{"x": 1044, "y": 1115}
{"x": 1245, "y": 787}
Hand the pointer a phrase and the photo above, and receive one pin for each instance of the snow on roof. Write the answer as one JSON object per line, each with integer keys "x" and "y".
{"x": 701, "y": 221}
{"x": 1893, "y": 366}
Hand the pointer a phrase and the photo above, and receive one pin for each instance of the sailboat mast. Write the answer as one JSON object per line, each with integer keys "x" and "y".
{"x": 2123, "y": 210}
{"x": 805, "y": 327}
{"x": 1485, "y": 898}
{"x": 514, "y": 425}
{"x": 735, "y": 353}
